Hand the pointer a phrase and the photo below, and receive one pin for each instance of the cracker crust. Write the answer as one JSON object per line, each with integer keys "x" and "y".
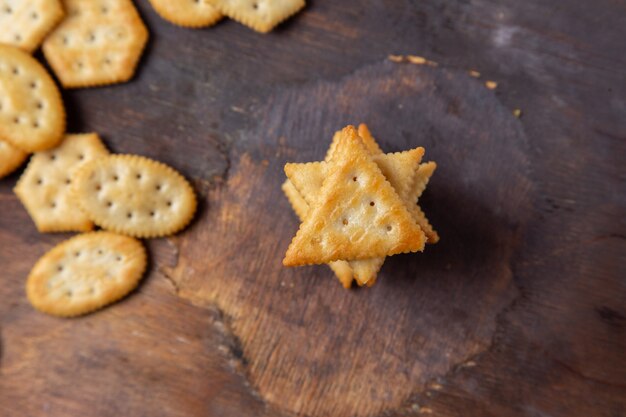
{"x": 130, "y": 195}
{"x": 62, "y": 297}
{"x": 36, "y": 120}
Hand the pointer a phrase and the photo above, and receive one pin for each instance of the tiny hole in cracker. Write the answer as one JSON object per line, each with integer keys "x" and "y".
{"x": 372, "y": 203}
{"x": 67, "y": 181}
{"x": 129, "y": 215}
{"x": 34, "y": 16}
{"x": 81, "y": 157}
{"x": 60, "y": 268}
{"x": 53, "y": 157}
{"x": 389, "y": 228}
{"x": 354, "y": 179}
{"x": 39, "y": 105}
{"x": 100, "y": 252}
{"x": 345, "y": 222}
{"x": 18, "y": 37}
{"x": 16, "y": 70}
{"x": 77, "y": 254}
{"x": 69, "y": 293}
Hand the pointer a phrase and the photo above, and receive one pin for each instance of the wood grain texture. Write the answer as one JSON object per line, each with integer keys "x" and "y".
{"x": 520, "y": 310}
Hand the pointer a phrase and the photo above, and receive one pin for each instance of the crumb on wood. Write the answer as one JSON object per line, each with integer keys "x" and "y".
{"x": 491, "y": 85}
{"x": 517, "y": 113}
{"x": 474, "y": 73}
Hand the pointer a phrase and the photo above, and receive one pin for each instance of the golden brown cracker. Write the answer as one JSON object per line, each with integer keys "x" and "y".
{"x": 400, "y": 170}
{"x": 85, "y": 273}
{"x": 25, "y": 23}
{"x": 135, "y": 196}
{"x": 45, "y": 185}
{"x": 10, "y": 158}
{"x": 32, "y": 116}
{"x": 358, "y": 214}
{"x": 260, "y": 15}
{"x": 424, "y": 172}
{"x": 98, "y": 43}
{"x": 342, "y": 269}
{"x": 188, "y": 13}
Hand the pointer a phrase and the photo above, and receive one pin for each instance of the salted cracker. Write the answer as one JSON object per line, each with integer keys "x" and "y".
{"x": 260, "y": 15}
{"x": 358, "y": 214}
{"x": 45, "y": 186}
{"x": 25, "y": 23}
{"x": 10, "y": 158}
{"x": 85, "y": 273}
{"x": 32, "y": 116}
{"x": 342, "y": 269}
{"x": 188, "y": 13}
{"x": 134, "y": 195}
{"x": 98, "y": 43}
{"x": 399, "y": 169}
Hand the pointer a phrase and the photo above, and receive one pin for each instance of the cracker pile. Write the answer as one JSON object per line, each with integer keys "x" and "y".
{"x": 358, "y": 206}
{"x": 78, "y": 185}
{"x": 259, "y": 15}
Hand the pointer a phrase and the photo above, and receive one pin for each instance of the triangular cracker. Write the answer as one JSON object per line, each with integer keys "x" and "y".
{"x": 342, "y": 269}
{"x": 424, "y": 172}
{"x": 358, "y": 214}
{"x": 399, "y": 168}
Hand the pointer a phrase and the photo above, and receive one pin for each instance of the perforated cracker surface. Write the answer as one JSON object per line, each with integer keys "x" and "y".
{"x": 25, "y": 23}
{"x": 45, "y": 185}
{"x": 99, "y": 42}
{"x": 342, "y": 269}
{"x": 358, "y": 214}
{"x": 134, "y": 195}
{"x": 86, "y": 273}
{"x": 32, "y": 116}
{"x": 260, "y": 15}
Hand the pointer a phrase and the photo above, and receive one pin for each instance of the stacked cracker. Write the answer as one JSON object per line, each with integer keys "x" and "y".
{"x": 260, "y": 15}
{"x": 358, "y": 206}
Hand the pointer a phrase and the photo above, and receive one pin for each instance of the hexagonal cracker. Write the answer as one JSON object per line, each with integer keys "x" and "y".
{"x": 44, "y": 187}
{"x": 98, "y": 43}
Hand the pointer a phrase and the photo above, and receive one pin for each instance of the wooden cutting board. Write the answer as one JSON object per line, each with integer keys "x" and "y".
{"x": 520, "y": 310}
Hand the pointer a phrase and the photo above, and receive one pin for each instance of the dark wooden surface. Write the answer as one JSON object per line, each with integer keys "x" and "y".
{"x": 520, "y": 310}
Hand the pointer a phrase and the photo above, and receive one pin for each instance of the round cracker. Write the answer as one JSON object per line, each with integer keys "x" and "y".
{"x": 10, "y": 158}
{"x": 188, "y": 13}
{"x": 134, "y": 195}
{"x": 85, "y": 273}
{"x": 32, "y": 116}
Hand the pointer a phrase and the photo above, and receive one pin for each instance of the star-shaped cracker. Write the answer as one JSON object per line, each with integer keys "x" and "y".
{"x": 402, "y": 169}
{"x": 45, "y": 186}
{"x": 358, "y": 214}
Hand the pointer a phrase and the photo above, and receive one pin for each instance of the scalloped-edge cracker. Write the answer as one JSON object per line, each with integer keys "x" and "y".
{"x": 424, "y": 172}
{"x": 400, "y": 170}
{"x": 45, "y": 186}
{"x": 98, "y": 43}
{"x": 342, "y": 269}
{"x": 260, "y": 15}
{"x": 134, "y": 195}
{"x": 32, "y": 116}
{"x": 188, "y": 13}
{"x": 10, "y": 158}
{"x": 25, "y": 23}
{"x": 86, "y": 273}
{"x": 358, "y": 214}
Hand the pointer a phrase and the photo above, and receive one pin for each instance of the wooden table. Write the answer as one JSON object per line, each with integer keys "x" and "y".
{"x": 520, "y": 310}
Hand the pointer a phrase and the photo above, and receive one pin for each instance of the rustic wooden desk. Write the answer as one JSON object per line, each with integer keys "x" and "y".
{"x": 520, "y": 310}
